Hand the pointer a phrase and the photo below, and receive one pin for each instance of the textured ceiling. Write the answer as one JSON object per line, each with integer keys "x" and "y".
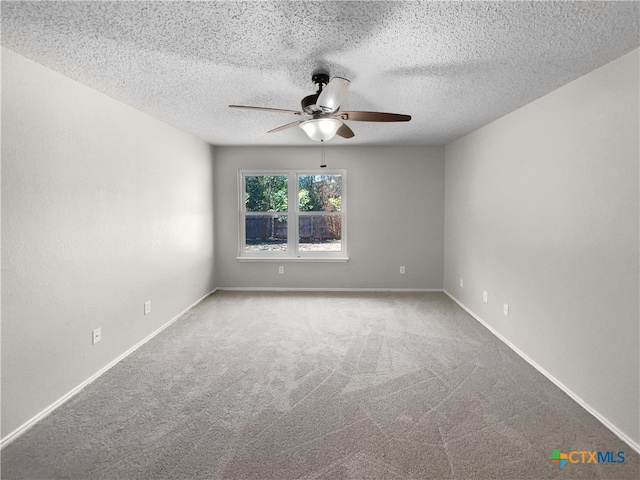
{"x": 453, "y": 66}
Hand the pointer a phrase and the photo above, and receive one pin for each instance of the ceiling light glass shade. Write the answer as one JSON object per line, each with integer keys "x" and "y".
{"x": 333, "y": 94}
{"x": 321, "y": 129}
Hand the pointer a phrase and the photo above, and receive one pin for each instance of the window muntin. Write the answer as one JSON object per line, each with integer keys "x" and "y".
{"x": 313, "y": 228}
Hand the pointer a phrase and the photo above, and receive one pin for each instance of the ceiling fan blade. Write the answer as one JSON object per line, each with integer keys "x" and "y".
{"x": 345, "y": 132}
{"x": 284, "y": 127}
{"x": 333, "y": 94}
{"x": 267, "y": 109}
{"x": 374, "y": 116}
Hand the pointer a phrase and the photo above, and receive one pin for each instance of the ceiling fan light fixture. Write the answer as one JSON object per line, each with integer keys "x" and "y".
{"x": 321, "y": 129}
{"x": 330, "y": 99}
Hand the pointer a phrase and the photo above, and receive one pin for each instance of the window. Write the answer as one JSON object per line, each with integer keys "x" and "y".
{"x": 292, "y": 214}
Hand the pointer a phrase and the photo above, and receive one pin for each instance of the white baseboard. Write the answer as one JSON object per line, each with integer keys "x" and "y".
{"x": 24, "y": 427}
{"x": 29, "y": 423}
{"x": 621, "y": 435}
{"x": 296, "y": 289}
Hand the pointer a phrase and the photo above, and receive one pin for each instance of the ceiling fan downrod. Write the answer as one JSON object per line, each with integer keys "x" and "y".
{"x": 320, "y": 79}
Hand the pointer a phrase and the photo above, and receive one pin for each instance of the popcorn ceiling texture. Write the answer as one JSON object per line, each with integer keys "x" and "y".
{"x": 453, "y": 66}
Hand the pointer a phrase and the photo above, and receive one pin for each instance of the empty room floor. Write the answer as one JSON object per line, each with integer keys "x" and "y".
{"x": 320, "y": 385}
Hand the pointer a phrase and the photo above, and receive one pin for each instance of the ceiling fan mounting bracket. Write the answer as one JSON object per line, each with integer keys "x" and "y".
{"x": 320, "y": 79}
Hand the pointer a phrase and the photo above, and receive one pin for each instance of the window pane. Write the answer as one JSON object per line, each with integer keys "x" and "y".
{"x": 265, "y": 233}
{"x": 320, "y": 233}
{"x": 265, "y": 193}
{"x": 320, "y": 193}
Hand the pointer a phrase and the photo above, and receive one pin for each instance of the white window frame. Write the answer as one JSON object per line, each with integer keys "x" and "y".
{"x": 293, "y": 253}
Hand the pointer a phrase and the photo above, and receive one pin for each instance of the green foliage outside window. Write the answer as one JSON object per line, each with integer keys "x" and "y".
{"x": 320, "y": 193}
{"x": 266, "y": 193}
{"x": 317, "y": 220}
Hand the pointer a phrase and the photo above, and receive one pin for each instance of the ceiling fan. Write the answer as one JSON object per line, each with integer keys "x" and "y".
{"x": 327, "y": 120}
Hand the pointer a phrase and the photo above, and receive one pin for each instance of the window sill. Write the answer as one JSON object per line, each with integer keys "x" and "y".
{"x": 293, "y": 259}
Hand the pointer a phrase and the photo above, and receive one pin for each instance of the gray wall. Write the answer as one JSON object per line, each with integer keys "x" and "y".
{"x": 103, "y": 208}
{"x": 401, "y": 188}
{"x": 542, "y": 212}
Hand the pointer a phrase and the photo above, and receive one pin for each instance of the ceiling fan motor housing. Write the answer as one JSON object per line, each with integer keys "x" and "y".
{"x": 309, "y": 102}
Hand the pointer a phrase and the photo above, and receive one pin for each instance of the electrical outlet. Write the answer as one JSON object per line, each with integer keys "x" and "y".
{"x": 147, "y": 307}
{"x": 461, "y": 283}
{"x": 505, "y": 309}
{"x": 281, "y": 269}
{"x": 402, "y": 270}
{"x": 485, "y": 296}
{"x": 96, "y": 336}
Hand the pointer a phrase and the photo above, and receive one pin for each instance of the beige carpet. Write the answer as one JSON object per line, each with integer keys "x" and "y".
{"x": 318, "y": 386}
